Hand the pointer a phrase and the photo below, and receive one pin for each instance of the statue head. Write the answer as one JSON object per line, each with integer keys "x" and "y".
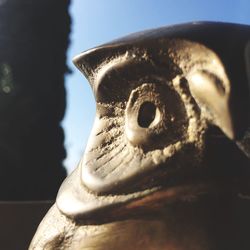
{"x": 172, "y": 121}
{"x": 171, "y": 104}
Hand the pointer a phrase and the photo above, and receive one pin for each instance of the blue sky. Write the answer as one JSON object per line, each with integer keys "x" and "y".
{"x": 98, "y": 21}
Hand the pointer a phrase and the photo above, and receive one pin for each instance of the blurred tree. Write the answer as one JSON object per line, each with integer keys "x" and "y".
{"x": 34, "y": 36}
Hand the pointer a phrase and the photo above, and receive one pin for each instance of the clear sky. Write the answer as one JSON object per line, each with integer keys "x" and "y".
{"x": 98, "y": 21}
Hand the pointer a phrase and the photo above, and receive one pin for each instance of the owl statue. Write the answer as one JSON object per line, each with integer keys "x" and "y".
{"x": 167, "y": 165}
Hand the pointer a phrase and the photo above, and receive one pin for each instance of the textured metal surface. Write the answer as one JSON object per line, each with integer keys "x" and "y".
{"x": 170, "y": 139}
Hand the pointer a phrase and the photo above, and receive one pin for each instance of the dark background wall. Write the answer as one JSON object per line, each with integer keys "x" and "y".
{"x": 34, "y": 37}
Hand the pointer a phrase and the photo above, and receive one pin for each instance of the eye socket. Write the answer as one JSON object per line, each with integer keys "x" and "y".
{"x": 148, "y": 115}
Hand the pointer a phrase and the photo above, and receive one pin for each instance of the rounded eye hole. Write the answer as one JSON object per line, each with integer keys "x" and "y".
{"x": 155, "y": 116}
{"x": 148, "y": 115}
{"x": 145, "y": 115}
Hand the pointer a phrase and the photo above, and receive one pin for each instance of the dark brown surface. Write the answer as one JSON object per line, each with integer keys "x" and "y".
{"x": 18, "y": 223}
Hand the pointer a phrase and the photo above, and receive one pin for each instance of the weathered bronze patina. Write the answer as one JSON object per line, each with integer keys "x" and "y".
{"x": 167, "y": 164}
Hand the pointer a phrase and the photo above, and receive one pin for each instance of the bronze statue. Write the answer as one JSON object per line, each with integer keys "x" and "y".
{"x": 167, "y": 164}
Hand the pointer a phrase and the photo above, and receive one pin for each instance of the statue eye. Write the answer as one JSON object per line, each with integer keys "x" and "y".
{"x": 154, "y": 116}
{"x": 148, "y": 115}
{"x": 145, "y": 115}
